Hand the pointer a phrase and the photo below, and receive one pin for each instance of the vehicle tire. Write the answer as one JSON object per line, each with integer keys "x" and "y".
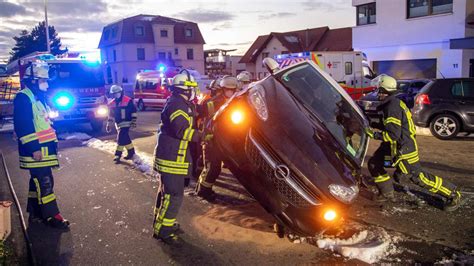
{"x": 97, "y": 126}
{"x": 445, "y": 126}
{"x": 141, "y": 105}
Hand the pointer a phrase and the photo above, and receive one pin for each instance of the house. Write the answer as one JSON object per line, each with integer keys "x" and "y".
{"x": 145, "y": 41}
{"x": 275, "y": 43}
{"x": 412, "y": 39}
{"x": 220, "y": 63}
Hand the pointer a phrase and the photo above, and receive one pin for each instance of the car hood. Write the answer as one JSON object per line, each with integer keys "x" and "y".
{"x": 303, "y": 143}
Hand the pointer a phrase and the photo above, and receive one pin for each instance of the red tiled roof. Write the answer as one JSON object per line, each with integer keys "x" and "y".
{"x": 316, "y": 39}
{"x": 126, "y": 30}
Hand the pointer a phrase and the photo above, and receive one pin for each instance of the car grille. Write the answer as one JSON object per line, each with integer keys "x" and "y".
{"x": 265, "y": 167}
{"x": 87, "y": 100}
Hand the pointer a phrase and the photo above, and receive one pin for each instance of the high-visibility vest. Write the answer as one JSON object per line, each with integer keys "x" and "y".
{"x": 44, "y": 132}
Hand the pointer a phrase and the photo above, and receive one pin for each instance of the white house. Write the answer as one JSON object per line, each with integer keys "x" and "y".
{"x": 144, "y": 41}
{"x": 416, "y": 38}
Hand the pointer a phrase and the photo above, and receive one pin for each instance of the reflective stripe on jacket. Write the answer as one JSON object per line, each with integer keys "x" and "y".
{"x": 123, "y": 112}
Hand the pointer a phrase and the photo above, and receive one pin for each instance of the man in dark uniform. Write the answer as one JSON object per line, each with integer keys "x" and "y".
{"x": 124, "y": 112}
{"x": 399, "y": 143}
{"x": 213, "y": 162}
{"x": 37, "y": 145}
{"x": 172, "y": 155}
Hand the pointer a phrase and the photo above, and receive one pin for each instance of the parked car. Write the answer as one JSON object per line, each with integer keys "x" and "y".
{"x": 296, "y": 141}
{"x": 407, "y": 90}
{"x": 446, "y": 106}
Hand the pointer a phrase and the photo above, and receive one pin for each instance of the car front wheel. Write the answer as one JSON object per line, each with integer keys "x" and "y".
{"x": 444, "y": 126}
{"x": 141, "y": 105}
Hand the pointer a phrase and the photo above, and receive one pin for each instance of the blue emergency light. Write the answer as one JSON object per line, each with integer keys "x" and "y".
{"x": 161, "y": 67}
{"x": 63, "y": 100}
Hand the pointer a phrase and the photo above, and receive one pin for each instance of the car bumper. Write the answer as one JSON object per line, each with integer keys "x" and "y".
{"x": 421, "y": 115}
{"x": 80, "y": 115}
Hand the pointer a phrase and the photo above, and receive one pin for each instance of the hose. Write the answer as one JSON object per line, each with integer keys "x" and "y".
{"x": 29, "y": 245}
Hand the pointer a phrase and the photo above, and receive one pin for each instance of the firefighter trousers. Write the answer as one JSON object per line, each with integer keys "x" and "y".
{"x": 168, "y": 202}
{"x": 41, "y": 198}
{"x": 212, "y": 167}
{"x": 124, "y": 142}
{"x": 410, "y": 168}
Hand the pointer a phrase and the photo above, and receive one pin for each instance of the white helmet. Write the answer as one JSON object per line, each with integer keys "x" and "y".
{"x": 229, "y": 82}
{"x": 184, "y": 81}
{"x": 386, "y": 82}
{"x": 243, "y": 76}
{"x": 37, "y": 70}
{"x": 115, "y": 89}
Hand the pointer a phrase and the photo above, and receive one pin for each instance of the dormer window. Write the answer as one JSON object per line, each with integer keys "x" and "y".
{"x": 188, "y": 33}
{"x": 139, "y": 31}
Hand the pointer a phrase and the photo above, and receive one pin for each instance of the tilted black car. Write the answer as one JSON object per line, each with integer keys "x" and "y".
{"x": 446, "y": 106}
{"x": 296, "y": 141}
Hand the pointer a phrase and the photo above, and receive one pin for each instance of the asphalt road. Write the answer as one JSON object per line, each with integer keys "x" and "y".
{"x": 110, "y": 207}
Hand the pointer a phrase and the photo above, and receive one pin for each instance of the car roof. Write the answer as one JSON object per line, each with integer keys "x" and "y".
{"x": 414, "y": 80}
{"x": 470, "y": 79}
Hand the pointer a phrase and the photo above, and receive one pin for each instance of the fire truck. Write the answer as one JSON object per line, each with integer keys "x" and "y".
{"x": 350, "y": 69}
{"x": 76, "y": 90}
{"x": 152, "y": 86}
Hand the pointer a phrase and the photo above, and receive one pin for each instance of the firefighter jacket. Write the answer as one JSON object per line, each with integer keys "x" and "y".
{"x": 177, "y": 129}
{"x": 399, "y": 130}
{"x": 210, "y": 106}
{"x": 123, "y": 111}
{"x": 34, "y": 131}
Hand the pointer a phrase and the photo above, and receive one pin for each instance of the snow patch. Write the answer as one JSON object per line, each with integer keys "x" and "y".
{"x": 74, "y": 135}
{"x": 142, "y": 161}
{"x": 369, "y": 246}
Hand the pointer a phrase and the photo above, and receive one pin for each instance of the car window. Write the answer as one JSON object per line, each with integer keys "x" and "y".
{"x": 418, "y": 85}
{"x": 403, "y": 86}
{"x": 456, "y": 89}
{"x": 316, "y": 93}
{"x": 468, "y": 89}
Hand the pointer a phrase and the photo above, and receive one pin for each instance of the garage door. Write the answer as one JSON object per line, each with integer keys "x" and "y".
{"x": 407, "y": 69}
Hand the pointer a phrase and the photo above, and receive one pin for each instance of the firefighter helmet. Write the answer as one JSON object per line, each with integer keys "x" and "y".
{"x": 243, "y": 76}
{"x": 37, "y": 70}
{"x": 229, "y": 82}
{"x": 115, "y": 89}
{"x": 184, "y": 81}
{"x": 385, "y": 82}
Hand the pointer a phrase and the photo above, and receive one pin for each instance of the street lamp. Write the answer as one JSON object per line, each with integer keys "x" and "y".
{"x": 46, "y": 25}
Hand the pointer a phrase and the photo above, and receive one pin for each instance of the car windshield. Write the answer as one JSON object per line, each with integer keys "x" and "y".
{"x": 76, "y": 75}
{"x": 403, "y": 85}
{"x": 147, "y": 84}
{"x": 322, "y": 99}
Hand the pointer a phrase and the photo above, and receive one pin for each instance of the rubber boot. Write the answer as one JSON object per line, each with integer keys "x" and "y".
{"x": 58, "y": 222}
{"x": 385, "y": 197}
{"x": 130, "y": 154}
{"x": 206, "y": 193}
{"x": 117, "y": 159}
{"x": 453, "y": 203}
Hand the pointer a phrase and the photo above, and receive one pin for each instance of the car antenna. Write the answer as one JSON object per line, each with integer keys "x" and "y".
{"x": 441, "y": 73}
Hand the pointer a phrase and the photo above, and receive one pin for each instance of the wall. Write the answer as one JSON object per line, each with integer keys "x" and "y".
{"x": 394, "y": 37}
{"x": 197, "y": 63}
{"x": 274, "y": 47}
{"x": 233, "y": 64}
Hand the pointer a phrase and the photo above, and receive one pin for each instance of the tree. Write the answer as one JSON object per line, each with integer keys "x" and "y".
{"x": 35, "y": 41}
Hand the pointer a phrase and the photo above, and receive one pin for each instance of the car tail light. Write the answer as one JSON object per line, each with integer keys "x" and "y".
{"x": 423, "y": 99}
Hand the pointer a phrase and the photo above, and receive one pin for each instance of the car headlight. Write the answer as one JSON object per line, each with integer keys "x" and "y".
{"x": 53, "y": 114}
{"x": 102, "y": 111}
{"x": 343, "y": 193}
{"x": 257, "y": 100}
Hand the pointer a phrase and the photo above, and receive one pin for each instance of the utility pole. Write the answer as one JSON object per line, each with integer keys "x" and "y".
{"x": 46, "y": 25}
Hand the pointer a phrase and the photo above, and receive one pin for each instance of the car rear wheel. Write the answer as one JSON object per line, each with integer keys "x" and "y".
{"x": 444, "y": 126}
{"x": 141, "y": 105}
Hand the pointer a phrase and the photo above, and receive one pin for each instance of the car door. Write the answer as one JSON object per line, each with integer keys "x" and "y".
{"x": 467, "y": 102}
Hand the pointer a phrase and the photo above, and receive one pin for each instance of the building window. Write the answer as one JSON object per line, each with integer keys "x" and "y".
{"x": 115, "y": 55}
{"x": 161, "y": 55}
{"x": 265, "y": 55}
{"x": 285, "y": 52}
{"x": 366, "y": 14}
{"x": 116, "y": 77}
{"x": 114, "y": 32}
{"x": 190, "y": 54}
{"x": 176, "y": 51}
{"x": 164, "y": 33}
{"x": 348, "y": 68}
{"x": 189, "y": 33}
{"x": 109, "y": 75}
{"x": 139, "y": 30}
{"x": 421, "y": 8}
{"x": 169, "y": 55}
{"x": 140, "y": 53}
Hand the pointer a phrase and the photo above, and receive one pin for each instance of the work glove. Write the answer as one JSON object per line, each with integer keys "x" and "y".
{"x": 208, "y": 137}
{"x": 372, "y": 134}
{"x": 134, "y": 124}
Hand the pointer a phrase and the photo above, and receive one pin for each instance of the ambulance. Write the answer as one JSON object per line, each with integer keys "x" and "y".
{"x": 350, "y": 69}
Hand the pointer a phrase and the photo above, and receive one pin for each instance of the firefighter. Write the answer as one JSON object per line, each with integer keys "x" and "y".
{"x": 399, "y": 145}
{"x": 124, "y": 112}
{"x": 172, "y": 155}
{"x": 37, "y": 145}
{"x": 244, "y": 79}
{"x": 213, "y": 162}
